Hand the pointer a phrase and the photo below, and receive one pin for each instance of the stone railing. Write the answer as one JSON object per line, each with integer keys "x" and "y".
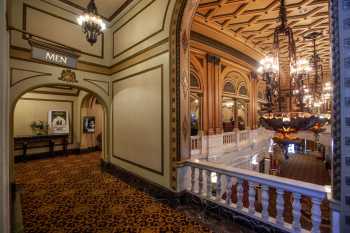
{"x": 196, "y": 145}
{"x": 218, "y": 144}
{"x": 256, "y": 195}
{"x": 229, "y": 138}
{"x": 195, "y": 142}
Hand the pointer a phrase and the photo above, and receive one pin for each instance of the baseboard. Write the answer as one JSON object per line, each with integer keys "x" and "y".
{"x": 47, "y": 155}
{"x": 88, "y": 149}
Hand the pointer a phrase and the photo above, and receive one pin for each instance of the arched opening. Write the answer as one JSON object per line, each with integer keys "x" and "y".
{"x": 35, "y": 111}
{"x": 54, "y": 127}
{"x": 192, "y": 20}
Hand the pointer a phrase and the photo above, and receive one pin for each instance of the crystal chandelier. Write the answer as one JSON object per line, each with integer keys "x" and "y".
{"x": 299, "y": 74}
{"x": 270, "y": 65}
{"x": 91, "y": 23}
{"x": 302, "y": 67}
{"x": 269, "y": 70}
{"x": 290, "y": 122}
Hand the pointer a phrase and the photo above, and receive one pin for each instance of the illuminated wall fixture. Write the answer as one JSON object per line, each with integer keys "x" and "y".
{"x": 91, "y": 23}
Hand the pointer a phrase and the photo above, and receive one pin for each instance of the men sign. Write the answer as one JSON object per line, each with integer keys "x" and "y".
{"x": 53, "y": 54}
{"x": 53, "y": 57}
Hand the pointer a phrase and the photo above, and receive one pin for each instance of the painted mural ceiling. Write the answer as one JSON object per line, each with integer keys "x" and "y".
{"x": 254, "y": 21}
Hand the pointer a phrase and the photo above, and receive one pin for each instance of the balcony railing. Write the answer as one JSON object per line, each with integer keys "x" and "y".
{"x": 286, "y": 204}
{"x": 228, "y": 142}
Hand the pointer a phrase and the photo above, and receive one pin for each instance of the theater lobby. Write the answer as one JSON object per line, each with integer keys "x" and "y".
{"x": 174, "y": 116}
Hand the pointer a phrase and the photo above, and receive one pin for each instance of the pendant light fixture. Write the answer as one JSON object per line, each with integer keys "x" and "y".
{"x": 91, "y": 23}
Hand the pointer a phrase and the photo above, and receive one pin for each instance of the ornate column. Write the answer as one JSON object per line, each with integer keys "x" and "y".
{"x": 340, "y": 27}
{"x": 253, "y": 99}
{"x": 214, "y": 95}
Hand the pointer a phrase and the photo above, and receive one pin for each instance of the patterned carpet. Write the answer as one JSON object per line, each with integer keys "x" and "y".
{"x": 72, "y": 194}
{"x": 305, "y": 168}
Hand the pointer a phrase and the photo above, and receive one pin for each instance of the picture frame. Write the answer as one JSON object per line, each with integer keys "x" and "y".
{"x": 58, "y": 121}
{"x": 89, "y": 124}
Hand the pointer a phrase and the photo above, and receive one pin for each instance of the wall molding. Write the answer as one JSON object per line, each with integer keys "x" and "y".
{"x": 39, "y": 74}
{"x": 110, "y": 18}
{"x": 24, "y": 27}
{"x": 144, "y": 39}
{"x": 94, "y": 82}
{"x": 222, "y": 47}
{"x": 155, "y": 50}
{"x": 161, "y": 67}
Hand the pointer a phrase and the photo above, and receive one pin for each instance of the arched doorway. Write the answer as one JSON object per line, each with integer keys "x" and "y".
{"x": 18, "y": 91}
{"x": 180, "y": 66}
{"x": 82, "y": 115}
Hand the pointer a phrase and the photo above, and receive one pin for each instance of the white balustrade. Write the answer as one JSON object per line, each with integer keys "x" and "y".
{"x": 200, "y": 185}
{"x": 239, "y": 193}
{"x": 316, "y": 215}
{"x": 228, "y": 141}
{"x": 208, "y": 184}
{"x": 251, "y": 197}
{"x": 218, "y": 187}
{"x": 279, "y": 207}
{"x": 265, "y": 202}
{"x": 259, "y": 185}
{"x": 229, "y": 138}
{"x": 228, "y": 190}
{"x": 296, "y": 212}
{"x": 195, "y": 143}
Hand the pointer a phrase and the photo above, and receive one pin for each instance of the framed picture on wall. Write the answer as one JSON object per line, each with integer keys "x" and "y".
{"x": 89, "y": 124}
{"x": 58, "y": 121}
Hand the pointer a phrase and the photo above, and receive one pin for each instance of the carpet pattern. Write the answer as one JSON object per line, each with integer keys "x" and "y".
{"x": 72, "y": 194}
{"x": 305, "y": 168}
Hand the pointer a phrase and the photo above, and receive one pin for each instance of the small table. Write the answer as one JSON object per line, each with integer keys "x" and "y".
{"x": 23, "y": 142}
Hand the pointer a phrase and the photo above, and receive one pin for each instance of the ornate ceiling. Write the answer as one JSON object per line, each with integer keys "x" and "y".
{"x": 253, "y": 22}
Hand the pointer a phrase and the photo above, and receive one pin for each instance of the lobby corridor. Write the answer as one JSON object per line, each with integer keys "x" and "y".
{"x": 72, "y": 194}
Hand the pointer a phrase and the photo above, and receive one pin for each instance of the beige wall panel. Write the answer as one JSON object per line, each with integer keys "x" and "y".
{"x": 100, "y": 53}
{"x": 137, "y": 119}
{"x": 148, "y": 73}
{"x": 48, "y": 26}
{"x": 144, "y": 26}
{"x": 136, "y": 30}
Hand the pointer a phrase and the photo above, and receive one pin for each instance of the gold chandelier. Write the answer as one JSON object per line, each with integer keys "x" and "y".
{"x": 91, "y": 23}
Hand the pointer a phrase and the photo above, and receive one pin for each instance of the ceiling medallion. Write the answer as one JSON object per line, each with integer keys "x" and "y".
{"x": 91, "y": 23}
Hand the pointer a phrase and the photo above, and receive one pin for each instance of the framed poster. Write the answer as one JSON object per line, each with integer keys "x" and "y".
{"x": 58, "y": 121}
{"x": 89, "y": 124}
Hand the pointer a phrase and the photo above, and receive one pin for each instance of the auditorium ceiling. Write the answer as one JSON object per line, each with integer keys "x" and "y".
{"x": 253, "y": 22}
